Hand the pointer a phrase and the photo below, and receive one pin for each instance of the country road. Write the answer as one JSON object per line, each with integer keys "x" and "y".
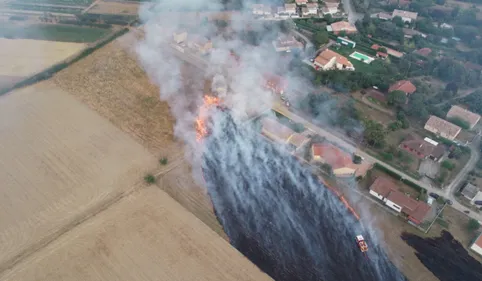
{"x": 280, "y": 107}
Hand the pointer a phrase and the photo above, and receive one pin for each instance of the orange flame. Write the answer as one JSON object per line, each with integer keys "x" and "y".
{"x": 201, "y": 129}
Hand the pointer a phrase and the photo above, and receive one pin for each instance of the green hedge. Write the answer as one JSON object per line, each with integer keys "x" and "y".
{"x": 49, "y": 72}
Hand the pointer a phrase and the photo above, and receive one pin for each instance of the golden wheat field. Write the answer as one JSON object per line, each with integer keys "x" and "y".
{"x": 144, "y": 236}
{"x": 25, "y": 57}
{"x": 59, "y": 161}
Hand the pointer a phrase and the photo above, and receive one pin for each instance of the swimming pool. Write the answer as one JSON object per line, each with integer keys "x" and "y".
{"x": 362, "y": 57}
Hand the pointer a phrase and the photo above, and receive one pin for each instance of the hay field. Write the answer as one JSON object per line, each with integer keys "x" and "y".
{"x": 25, "y": 57}
{"x": 111, "y": 82}
{"x": 59, "y": 161}
{"x": 145, "y": 236}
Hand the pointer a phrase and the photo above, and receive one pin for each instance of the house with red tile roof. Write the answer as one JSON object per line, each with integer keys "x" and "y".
{"x": 340, "y": 26}
{"x": 282, "y": 134}
{"x": 423, "y": 148}
{"x": 340, "y": 161}
{"x": 442, "y": 128}
{"x": 477, "y": 245}
{"x": 403, "y": 85}
{"x": 464, "y": 114}
{"x": 285, "y": 43}
{"x": 387, "y": 191}
{"x": 424, "y": 52}
{"x": 391, "y": 52}
{"x": 329, "y": 59}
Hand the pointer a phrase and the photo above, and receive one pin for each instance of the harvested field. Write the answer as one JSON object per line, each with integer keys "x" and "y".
{"x": 60, "y": 161}
{"x": 144, "y": 236}
{"x": 115, "y": 7}
{"x": 111, "y": 82}
{"x": 25, "y": 57}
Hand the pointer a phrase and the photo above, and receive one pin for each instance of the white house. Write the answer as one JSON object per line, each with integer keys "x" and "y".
{"x": 290, "y": 9}
{"x": 312, "y": 8}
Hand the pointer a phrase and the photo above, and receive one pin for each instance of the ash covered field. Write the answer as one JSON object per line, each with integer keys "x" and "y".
{"x": 280, "y": 216}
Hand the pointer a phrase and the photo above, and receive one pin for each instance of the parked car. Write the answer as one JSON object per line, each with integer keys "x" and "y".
{"x": 467, "y": 212}
{"x": 478, "y": 202}
{"x": 449, "y": 202}
{"x": 434, "y": 195}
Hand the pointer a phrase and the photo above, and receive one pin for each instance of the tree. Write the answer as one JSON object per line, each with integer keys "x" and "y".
{"x": 382, "y": 49}
{"x": 328, "y": 18}
{"x": 150, "y": 179}
{"x": 452, "y": 87}
{"x": 320, "y": 38}
{"x": 473, "y": 225}
{"x": 374, "y": 133}
{"x": 397, "y": 98}
{"x": 357, "y": 159}
{"x": 474, "y": 101}
{"x": 398, "y": 21}
{"x": 163, "y": 161}
{"x": 448, "y": 165}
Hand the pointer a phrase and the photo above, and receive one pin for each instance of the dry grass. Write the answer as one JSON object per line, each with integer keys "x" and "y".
{"x": 114, "y": 7}
{"x": 111, "y": 82}
{"x": 144, "y": 236}
{"x": 25, "y": 57}
{"x": 60, "y": 161}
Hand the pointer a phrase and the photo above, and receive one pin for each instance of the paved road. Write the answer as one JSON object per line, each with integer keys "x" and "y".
{"x": 342, "y": 141}
{"x": 447, "y": 193}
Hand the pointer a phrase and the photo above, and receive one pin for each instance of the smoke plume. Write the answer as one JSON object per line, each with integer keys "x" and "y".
{"x": 272, "y": 208}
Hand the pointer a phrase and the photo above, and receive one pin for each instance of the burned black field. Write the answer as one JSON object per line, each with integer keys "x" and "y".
{"x": 280, "y": 216}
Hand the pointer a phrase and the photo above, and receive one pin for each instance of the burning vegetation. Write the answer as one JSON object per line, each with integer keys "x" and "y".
{"x": 201, "y": 122}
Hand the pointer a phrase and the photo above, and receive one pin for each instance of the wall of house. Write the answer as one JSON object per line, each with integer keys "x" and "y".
{"x": 344, "y": 171}
{"x": 393, "y": 206}
{"x": 476, "y": 249}
{"x": 373, "y": 193}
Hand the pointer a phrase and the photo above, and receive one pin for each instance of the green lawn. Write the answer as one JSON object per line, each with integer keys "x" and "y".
{"x": 62, "y": 33}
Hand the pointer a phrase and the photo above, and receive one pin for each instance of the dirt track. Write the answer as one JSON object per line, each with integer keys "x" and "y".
{"x": 145, "y": 236}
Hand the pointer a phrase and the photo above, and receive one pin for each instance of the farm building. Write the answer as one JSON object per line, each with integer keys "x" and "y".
{"x": 385, "y": 190}
{"x": 346, "y": 42}
{"x": 468, "y": 116}
{"x": 442, "y": 128}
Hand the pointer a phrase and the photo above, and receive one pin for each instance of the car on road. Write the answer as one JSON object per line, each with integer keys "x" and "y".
{"x": 478, "y": 202}
{"x": 449, "y": 202}
{"x": 434, "y": 195}
{"x": 467, "y": 212}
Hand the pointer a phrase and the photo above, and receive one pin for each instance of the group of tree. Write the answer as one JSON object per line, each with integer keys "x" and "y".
{"x": 474, "y": 102}
{"x": 388, "y": 30}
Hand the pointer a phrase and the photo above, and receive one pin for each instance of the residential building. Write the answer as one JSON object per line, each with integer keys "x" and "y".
{"x": 340, "y": 26}
{"x": 384, "y": 16}
{"x": 258, "y": 9}
{"x": 477, "y": 245}
{"x": 200, "y": 43}
{"x": 470, "y": 191}
{"x": 280, "y": 133}
{"x": 346, "y": 42}
{"x": 281, "y": 12}
{"x": 312, "y": 8}
{"x": 442, "y": 128}
{"x": 287, "y": 43}
{"x": 425, "y": 52}
{"x": 403, "y": 85}
{"x": 390, "y": 52}
{"x": 409, "y": 33}
{"x": 304, "y": 11}
{"x": 468, "y": 116}
{"x": 382, "y": 55}
{"x": 446, "y": 26}
{"x": 290, "y": 9}
{"x": 301, "y": 2}
{"x": 330, "y": 7}
{"x": 329, "y": 59}
{"x": 386, "y": 190}
{"x": 275, "y": 83}
{"x": 179, "y": 37}
{"x": 340, "y": 161}
{"x": 423, "y": 148}
{"x": 405, "y": 15}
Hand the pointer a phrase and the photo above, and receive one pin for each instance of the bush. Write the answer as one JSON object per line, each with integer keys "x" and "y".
{"x": 473, "y": 225}
{"x": 163, "y": 161}
{"x": 150, "y": 179}
{"x": 386, "y": 156}
{"x": 448, "y": 165}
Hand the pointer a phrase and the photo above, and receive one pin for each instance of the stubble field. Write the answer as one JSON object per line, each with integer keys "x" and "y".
{"x": 145, "y": 236}
{"x": 60, "y": 162}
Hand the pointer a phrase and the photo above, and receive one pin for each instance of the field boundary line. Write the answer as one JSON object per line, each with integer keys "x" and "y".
{"x": 75, "y": 222}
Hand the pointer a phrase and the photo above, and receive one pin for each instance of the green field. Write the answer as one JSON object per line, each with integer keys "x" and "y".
{"x": 61, "y": 33}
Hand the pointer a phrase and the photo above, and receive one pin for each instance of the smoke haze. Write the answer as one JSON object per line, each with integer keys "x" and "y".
{"x": 272, "y": 209}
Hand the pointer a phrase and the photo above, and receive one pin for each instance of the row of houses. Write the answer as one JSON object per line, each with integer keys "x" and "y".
{"x": 406, "y": 16}
{"x": 302, "y": 8}
{"x": 447, "y": 129}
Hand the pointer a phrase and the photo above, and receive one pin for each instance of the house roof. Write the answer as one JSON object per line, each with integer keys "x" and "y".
{"x": 301, "y": 1}
{"x": 411, "y": 32}
{"x": 312, "y": 5}
{"x": 376, "y": 46}
{"x": 288, "y": 41}
{"x": 423, "y": 147}
{"x": 343, "y": 26}
{"x": 382, "y": 54}
{"x": 332, "y": 155}
{"x": 473, "y": 66}
{"x": 404, "y": 14}
{"x": 464, "y": 114}
{"x": 332, "y": 4}
{"x": 275, "y": 82}
{"x": 376, "y": 95}
{"x": 470, "y": 190}
{"x": 404, "y": 86}
{"x": 388, "y": 189}
{"x": 442, "y": 126}
{"x": 325, "y": 56}
{"x": 478, "y": 241}
{"x": 275, "y": 129}
{"x": 424, "y": 51}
